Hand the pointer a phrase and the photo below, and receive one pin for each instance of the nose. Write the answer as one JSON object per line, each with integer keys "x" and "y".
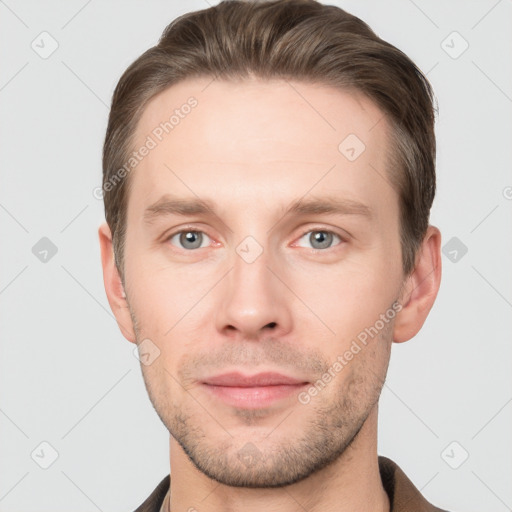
{"x": 253, "y": 302}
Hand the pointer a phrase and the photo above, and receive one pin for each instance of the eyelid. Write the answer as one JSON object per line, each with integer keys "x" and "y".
{"x": 323, "y": 229}
{"x": 185, "y": 229}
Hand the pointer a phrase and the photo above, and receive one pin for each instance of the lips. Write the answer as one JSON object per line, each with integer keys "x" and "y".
{"x": 236, "y": 379}
{"x": 252, "y": 391}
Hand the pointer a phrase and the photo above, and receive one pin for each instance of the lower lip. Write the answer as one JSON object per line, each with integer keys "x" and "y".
{"x": 254, "y": 397}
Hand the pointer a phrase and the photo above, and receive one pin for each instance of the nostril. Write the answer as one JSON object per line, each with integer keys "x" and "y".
{"x": 271, "y": 324}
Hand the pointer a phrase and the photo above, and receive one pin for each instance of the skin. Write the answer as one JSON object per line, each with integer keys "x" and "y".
{"x": 254, "y": 147}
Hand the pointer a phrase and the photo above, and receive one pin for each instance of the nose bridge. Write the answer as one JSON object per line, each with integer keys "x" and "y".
{"x": 250, "y": 272}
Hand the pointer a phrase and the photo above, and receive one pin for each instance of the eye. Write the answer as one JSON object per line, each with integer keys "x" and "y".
{"x": 189, "y": 239}
{"x": 320, "y": 239}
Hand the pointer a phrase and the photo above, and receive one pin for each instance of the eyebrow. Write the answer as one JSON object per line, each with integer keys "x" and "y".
{"x": 169, "y": 205}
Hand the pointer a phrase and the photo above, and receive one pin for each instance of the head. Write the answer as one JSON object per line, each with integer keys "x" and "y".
{"x": 269, "y": 170}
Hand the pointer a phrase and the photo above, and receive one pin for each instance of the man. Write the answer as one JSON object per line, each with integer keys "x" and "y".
{"x": 269, "y": 170}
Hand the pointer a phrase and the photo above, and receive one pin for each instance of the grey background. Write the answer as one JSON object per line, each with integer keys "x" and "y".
{"x": 69, "y": 378}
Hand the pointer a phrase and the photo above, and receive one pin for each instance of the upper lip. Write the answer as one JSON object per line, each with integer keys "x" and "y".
{"x": 236, "y": 379}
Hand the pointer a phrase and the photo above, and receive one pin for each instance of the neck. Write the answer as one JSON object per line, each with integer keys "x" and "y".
{"x": 351, "y": 483}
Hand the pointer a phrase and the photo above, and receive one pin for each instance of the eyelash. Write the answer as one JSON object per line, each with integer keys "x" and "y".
{"x": 311, "y": 230}
{"x": 321, "y": 230}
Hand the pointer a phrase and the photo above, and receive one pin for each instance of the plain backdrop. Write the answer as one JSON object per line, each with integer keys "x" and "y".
{"x": 69, "y": 379}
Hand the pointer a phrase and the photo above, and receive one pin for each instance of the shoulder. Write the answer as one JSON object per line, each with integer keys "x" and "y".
{"x": 403, "y": 494}
{"x": 154, "y": 501}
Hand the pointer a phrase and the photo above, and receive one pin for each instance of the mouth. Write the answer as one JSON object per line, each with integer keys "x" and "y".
{"x": 252, "y": 392}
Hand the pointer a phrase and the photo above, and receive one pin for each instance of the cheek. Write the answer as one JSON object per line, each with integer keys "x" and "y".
{"x": 159, "y": 295}
{"x": 346, "y": 298}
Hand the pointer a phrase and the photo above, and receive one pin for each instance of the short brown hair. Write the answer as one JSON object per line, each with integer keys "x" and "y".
{"x": 300, "y": 40}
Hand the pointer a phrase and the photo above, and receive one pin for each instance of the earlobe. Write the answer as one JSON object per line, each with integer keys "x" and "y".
{"x": 113, "y": 286}
{"x": 420, "y": 288}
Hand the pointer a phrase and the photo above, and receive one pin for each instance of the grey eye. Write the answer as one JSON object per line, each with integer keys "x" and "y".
{"x": 190, "y": 239}
{"x": 320, "y": 239}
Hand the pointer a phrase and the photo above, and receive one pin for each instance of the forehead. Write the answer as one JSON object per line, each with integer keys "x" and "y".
{"x": 321, "y": 112}
{"x": 266, "y": 134}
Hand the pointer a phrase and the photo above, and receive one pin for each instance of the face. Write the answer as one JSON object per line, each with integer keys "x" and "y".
{"x": 263, "y": 236}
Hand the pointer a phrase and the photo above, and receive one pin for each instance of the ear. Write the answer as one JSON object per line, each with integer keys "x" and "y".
{"x": 113, "y": 285}
{"x": 420, "y": 288}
